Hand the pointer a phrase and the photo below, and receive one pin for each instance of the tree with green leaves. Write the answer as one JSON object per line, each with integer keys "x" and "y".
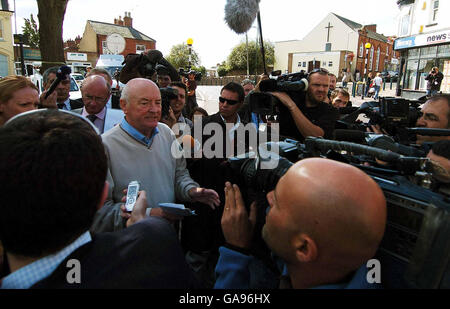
{"x": 237, "y": 60}
{"x": 51, "y": 18}
{"x": 31, "y": 32}
{"x": 179, "y": 56}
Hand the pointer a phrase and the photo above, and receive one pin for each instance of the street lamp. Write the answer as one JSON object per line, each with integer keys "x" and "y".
{"x": 190, "y": 41}
{"x": 367, "y": 46}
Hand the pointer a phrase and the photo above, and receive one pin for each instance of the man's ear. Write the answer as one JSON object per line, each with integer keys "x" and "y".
{"x": 305, "y": 248}
{"x": 104, "y": 195}
{"x": 123, "y": 105}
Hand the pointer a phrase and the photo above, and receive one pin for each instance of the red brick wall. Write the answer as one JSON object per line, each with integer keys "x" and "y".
{"x": 375, "y": 43}
{"x": 130, "y": 45}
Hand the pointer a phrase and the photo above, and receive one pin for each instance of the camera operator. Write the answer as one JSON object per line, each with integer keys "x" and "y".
{"x": 434, "y": 80}
{"x": 434, "y": 114}
{"x": 314, "y": 117}
{"x": 324, "y": 234}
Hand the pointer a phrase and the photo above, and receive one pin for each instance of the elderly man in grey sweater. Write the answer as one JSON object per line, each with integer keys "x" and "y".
{"x": 140, "y": 149}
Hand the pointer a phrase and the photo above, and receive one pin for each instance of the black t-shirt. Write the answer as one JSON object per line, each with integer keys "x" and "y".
{"x": 323, "y": 115}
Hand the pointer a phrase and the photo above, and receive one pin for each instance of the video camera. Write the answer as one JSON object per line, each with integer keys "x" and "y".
{"x": 392, "y": 115}
{"x": 263, "y": 103}
{"x": 415, "y": 249}
{"x": 197, "y": 75}
{"x": 167, "y": 94}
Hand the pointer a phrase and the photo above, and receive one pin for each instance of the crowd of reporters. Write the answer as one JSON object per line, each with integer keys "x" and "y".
{"x": 64, "y": 187}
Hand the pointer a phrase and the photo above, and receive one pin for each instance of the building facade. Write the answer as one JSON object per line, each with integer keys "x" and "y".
{"x": 6, "y": 40}
{"x": 424, "y": 42}
{"x": 93, "y": 43}
{"x": 335, "y": 44}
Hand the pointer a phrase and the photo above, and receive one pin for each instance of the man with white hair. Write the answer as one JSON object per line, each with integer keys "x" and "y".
{"x": 140, "y": 149}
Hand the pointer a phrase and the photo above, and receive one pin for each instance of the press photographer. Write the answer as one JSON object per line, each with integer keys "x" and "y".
{"x": 145, "y": 65}
{"x": 300, "y": 114}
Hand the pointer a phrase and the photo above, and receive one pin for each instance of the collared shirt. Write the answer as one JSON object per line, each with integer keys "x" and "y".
{"x": 30, "y": 274}
{"x": 234, "y": 128}
{"x": 109, "y": 103}
{"x": 99, "y": 121}
{"x": 138, "y": 135}
{"x": 67, "y": 106}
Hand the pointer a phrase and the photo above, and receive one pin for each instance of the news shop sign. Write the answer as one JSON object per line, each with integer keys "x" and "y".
{"x": 438, "y": 37}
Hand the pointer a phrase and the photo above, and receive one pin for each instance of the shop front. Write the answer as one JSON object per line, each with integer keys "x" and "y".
{"x": 419, "y": 54}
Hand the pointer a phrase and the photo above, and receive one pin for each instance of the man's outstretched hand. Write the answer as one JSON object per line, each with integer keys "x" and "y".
{"x": 205, "y": 196}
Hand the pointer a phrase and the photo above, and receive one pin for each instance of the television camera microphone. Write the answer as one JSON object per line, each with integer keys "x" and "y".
{"x": 61, "y": 75}
{"x": 378, "y": 141}
{"x": 240, "y": 14}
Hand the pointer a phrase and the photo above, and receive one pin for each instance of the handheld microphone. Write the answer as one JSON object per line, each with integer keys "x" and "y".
{"x": 61, "y": 75}
{"x": 240, "y": 14}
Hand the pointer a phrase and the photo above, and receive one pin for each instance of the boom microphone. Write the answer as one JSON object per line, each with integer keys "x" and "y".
{"x": 240, "y": 14}
{"x": 61, "y": 75}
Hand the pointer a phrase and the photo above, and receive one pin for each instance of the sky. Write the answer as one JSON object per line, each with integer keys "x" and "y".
{"x": 172, "y": 22}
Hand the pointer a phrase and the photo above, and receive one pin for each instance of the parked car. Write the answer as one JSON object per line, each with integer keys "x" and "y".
{"x": 78, "y": 78}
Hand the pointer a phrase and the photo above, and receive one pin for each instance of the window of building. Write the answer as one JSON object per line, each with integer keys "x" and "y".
{"x": 330, "y": 64}
{"x": 434, "y": 10}
{"x": 361, "y": 50}
{"x": 371, "y": 59}
{"x": 328, "y": 47}
{"x": 140, "y": 49}
{"x": 304, "y": 64}
{"x": 377, "y": 64}
{"x": 404, "y": 25}
{"x": 324, "y": 63}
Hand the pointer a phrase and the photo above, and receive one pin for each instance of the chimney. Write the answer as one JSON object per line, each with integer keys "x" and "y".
{"x": 372, "y": 28}
{"x": 127, "y": 20}
{"x": 5, "y": 5}
{"x": 120, "y": 21}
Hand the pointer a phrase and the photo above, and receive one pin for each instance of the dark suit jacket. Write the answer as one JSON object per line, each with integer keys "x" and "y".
{"x": 146, "y": 255}
{"x": 203, "y": 232}
{"x": 75, "y": 104}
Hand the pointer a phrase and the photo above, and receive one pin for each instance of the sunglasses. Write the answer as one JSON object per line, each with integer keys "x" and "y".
{"x": 230, "y": 102}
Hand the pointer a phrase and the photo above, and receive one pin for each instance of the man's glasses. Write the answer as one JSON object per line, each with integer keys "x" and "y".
{"x": 96, "y": 99}
{"x": 230, "y": 102}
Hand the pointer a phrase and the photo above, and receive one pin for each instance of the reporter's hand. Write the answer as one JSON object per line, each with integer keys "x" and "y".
{"x": 237, "y": 226}
{"x": 376, "y": 129}
{"x": 139, "y": 209}
{"x": 50, "y": 102}
{"x": 170, "y": 120}
{"x": 285, "y": 99}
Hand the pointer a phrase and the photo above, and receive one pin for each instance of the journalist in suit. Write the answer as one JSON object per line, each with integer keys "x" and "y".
{"x": 62, "y": 91}
{"x": 95, "y": 92}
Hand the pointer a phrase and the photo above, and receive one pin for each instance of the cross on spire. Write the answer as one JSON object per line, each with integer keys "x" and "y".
{"x": 329, "y": 27}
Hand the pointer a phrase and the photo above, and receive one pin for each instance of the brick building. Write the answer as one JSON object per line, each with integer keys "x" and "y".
{"x": 381, "y": 55}
{"x": 335, "y": 44}
{"x": 93, "y": 43}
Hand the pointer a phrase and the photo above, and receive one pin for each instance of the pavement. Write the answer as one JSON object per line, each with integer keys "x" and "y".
{"x": 208, "y": 96}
